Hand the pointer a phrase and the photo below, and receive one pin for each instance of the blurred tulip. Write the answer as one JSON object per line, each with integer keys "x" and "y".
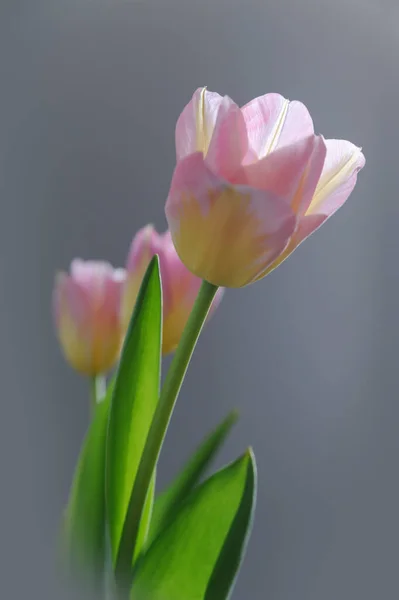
{"x": 86, "y": 306}
{"x": 251, "y": 184}
{"x": 179, "y": 286}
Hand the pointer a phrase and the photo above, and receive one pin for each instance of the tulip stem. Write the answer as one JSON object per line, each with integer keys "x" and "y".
{"x": 98, "y": 390}
{"x": 156, "y": 435}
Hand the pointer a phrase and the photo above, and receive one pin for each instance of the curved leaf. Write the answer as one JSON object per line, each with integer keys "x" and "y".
{"x": 168, "y": 503}
{"x": 84, "y": 524}
{"x": 197, "y": 556}
{"x": 133, "y": 402}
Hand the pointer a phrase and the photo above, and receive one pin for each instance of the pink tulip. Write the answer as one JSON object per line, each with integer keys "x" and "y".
{"x": 86, "y": 309}
{"x": 251, "y": 184}
{"x": 179, "y": 286}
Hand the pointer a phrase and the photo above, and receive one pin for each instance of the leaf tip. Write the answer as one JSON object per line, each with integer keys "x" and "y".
{"x": 154, "y": 261}
{"x": 250, "y": 456}
{"x": 234, "y": 416}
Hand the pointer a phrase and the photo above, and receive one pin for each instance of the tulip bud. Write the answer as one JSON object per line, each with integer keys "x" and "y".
{"x": 179, "y": 286}
{"x": 86, "y": 306}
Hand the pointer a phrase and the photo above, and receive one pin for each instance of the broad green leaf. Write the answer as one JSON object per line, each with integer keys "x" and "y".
{"x": 168, "y": 503}
{"x": 157, "y": 432}
{"x": 198, "y": 555}
{"x": 133, "y": 403}
{"x": 84, "y": 523}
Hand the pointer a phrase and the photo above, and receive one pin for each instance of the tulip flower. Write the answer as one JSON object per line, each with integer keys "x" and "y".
{"x": 251, "y": 184}
{"x": 86, "y": 306}
{"x": 179, "y": 286}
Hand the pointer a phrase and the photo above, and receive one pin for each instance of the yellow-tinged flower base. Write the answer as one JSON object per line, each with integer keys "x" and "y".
{"x": 89, "y": 357}
{"x": 221, "y": 241}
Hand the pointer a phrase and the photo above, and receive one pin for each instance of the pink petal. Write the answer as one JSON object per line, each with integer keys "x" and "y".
{"x": 167, "y": 262}
{"x": 186, "y": 285}
{"x": 229, "y": 143}
{"x": 213, "y": 125}
{"x": 310, "y": 177}
{"x": 225, "y": 234}
{"x": 101, "y": 285}
{"x": 291, "y": 172}
{"x": 110, "y": 302}
{"x": 144, "y": 245}
{"x": 338, "y": 179}
{"x": 273, "y": 122}
{"x": 70, "y": 297}
{"x": 343, "y": 162}
{"x": 307, "y": 225}
{"x": 91, "y": 275}
{"x": 73, "y": 318}
{"x": 195, "y": 125}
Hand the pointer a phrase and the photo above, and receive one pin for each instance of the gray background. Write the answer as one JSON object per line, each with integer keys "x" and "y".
{"x": 89, "y": 95}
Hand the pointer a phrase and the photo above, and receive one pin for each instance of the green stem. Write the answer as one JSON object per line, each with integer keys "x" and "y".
{"x": 98, "y": 390}
{"x": 156, "y": 435}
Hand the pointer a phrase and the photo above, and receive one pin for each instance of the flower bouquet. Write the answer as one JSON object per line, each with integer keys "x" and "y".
{"x": 250, "y": 184}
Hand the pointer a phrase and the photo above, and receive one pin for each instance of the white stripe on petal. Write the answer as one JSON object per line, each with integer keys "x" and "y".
{"x": 275, "y": 135}
{"x": 202, "y": 142}
{"x": 333, "y": 178}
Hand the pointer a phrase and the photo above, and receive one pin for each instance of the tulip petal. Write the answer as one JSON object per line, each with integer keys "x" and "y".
{"x": 91, "y": 274}
{"x": 307, "y": 225}
{"x": 343, "y": 162}
{"x": 72, "y": 316}
{"x": 229, "y": 142}
{"x": 186, "y": 286}
{"x": 214, "y": 125}
{"x": 143, "y": 247}
{"x": 195, "y": 125}
{"x": 71, "y": 297}
{"x": 101, "y": 285}
{"x": 145, "y": 244}
{"x": 311, "y": 177}
{"x": 272, "y": 122}
{"x": 291, "y": 172}
{"x": 223, "y": 233}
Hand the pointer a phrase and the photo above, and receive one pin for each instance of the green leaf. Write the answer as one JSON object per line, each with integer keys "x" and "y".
{"x": 157, "y": 432}
{"x": 145, "y": 520}
{"x": 133, "y": 404}
{"x": 198, "y": 555}
{"x": 84, "y": 524}
{"x": 168, "y": 503}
